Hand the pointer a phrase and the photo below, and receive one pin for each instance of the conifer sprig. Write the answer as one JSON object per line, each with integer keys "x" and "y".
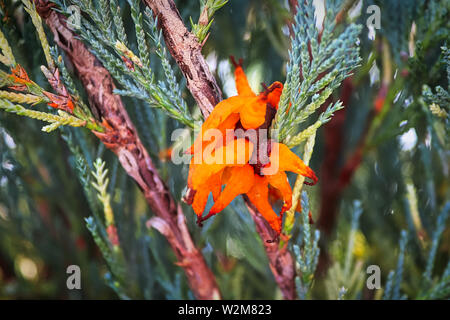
{"x": 318, "y": 63}
{"x": 439, "y": 101}
{"x": 106, "y": 237}
{"x": 22, "y": 97}
{"x": 306, "y": 252}
{"x": 207, "y": 10}
{"x": 133, "y": 71}
{"x": 7, "y": 57}
{"x": 101, "y": 185}
{"x": 37, "y": 21}
{"x": 55, "y": 121}
{"x": 392, "y": 289}
{"x": 29, "y": 92}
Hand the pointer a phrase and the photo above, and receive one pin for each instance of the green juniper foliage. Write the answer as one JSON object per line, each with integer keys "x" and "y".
{"x": 207, "y": 10}
{"x": 137, "y": 80}
{"x": 307, "y": 258}
{"x": 314, "y": 70}
{"x": 378, "y": 107}
{"x": 345, "y": 277}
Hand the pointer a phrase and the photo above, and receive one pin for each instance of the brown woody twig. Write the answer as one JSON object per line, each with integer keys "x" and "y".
{"x": 122, "y": 138}
{"x": 281, "y": 262}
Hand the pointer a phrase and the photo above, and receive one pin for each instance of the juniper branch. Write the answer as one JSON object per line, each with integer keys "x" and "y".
{"x": 101, "y": 185}
{"x": 30, "y": 8}
{"x": 133, "y": 71}
{"x": 318, "y": 63}
{"x": 22, "y": 97}
{"x": 55, "y": 121}
{"x": 126, "y": 144}
{"x": 207, "y": 10}
{"x": 7, "y": 58}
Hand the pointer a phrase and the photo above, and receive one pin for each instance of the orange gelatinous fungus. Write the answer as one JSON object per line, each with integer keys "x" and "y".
{"x": 235, "y": 153}
{"x": 242, "y": 86}
{"x": 237, "y": 163}
{"x": 165, "y": 154}
{"x": 20, "y": 75}
{"x": 259, "y": 196}
{"x": 285, "y": 160}
{"x": 239, "y": 182}
{"x": 248, "y": 108}
{"x": 276, "y": 196}
{"x": 280, "y": 182}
